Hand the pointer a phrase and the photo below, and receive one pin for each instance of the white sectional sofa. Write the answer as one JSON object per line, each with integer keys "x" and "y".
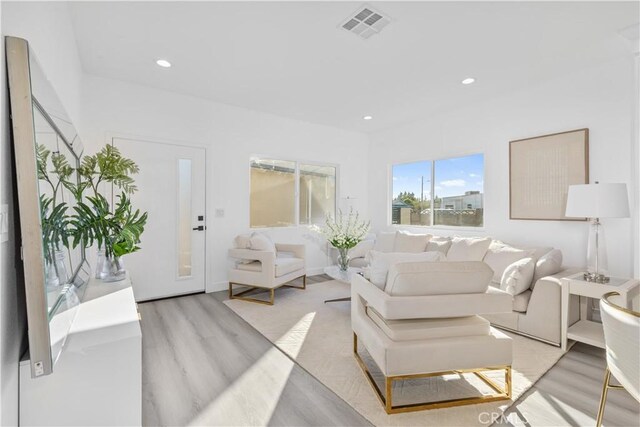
{"x": 531, "y": 275}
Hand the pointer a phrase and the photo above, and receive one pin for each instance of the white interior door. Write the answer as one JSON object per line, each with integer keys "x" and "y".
{"x": 171, "y": 188}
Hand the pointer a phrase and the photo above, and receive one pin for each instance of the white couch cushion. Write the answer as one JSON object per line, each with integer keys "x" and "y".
{"x": 360, "y": 250}
{"x": 385, "y": 241}
{"x": 436, "y": 355}
{"x": 500, "y": 255}
{"x": 468, "y": 248}
{"x": 380, "y": 263}
{"x": 261, "y": 242}
{"x": 537, "y": 253}
{"x": 288, "y": 265}
{"x": 517, "y": 277}
{"x": 358, "y": 263}
{"x": 439, "y": 244}
{"x": 437, "y": 278}
{"x": 521, "y": 301}
{"x": 242, "y": 241}
{"x": 423, "y": 329}
{"x": 283, "y": 266}
{"x": 548, "y": 265}
{"x": 408, "y": 242}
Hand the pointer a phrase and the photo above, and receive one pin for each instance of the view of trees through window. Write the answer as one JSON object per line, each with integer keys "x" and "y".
{"x": 453, "y": 187}
{"x": 285, "y": 193}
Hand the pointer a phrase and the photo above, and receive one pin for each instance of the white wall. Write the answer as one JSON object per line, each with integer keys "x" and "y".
{"x": 48, "y": 29}
{"x": 599, "y": 99}
{"x": 635, "y": 159}
{"x": 231, "y": 135}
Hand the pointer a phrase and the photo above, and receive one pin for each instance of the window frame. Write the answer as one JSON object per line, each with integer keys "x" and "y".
{"x": 296, "y": 199}
{"x": 432, "y": 192}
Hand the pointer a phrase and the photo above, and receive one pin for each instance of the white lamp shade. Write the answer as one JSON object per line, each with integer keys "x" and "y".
{"x": 605, "y": 200}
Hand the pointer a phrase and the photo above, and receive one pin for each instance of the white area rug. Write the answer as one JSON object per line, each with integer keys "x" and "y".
{"x": 318, "y": 336}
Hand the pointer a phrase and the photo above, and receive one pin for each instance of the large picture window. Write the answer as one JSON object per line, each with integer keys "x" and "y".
{"x": 285, "y": 193}
{"x": 446, "y": 192}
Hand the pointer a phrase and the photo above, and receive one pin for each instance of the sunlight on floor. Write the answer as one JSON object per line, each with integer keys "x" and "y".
{"x": 543, "y": 409}
{"x": 291, "y": 342}
{"x": 254, "y": 396}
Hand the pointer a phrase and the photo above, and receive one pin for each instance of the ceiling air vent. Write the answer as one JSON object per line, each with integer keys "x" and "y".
{"x": 365, "y": 22}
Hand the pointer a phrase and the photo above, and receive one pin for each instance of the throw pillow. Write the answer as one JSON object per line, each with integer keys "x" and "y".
{"x": 468, "y": 248}
{"x": 411, "y": 243}
{"x": 261, "y": 242}
{"x": 517, "y": 277}
{"x": 439, "y": 244}
{"x": 381, "y": 261}
{"x": 500, "y": 255}
{"x": 385, "y": 240}
{"x": 361, "y": 249}
{"x": 538, "y": 252}
{"x": 548, "y": 265}
{"x": 242, "y": 241}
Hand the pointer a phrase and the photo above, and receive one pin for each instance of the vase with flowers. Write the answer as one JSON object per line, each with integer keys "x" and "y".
{"x": 344, "y": 232}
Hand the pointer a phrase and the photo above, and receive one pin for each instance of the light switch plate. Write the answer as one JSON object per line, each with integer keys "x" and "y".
{"x": 4, "y": 223}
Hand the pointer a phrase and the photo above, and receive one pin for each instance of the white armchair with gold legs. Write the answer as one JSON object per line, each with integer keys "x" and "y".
{"x": 267, "y": 270}
{"x": 622, "y": 343}
{"x": 425, "y": 322}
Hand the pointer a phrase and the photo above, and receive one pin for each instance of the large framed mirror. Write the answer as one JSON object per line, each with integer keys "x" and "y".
{"x": 47, "y": 153}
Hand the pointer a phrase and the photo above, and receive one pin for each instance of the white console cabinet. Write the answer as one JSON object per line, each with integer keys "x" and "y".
{"x": 97, "y": 379}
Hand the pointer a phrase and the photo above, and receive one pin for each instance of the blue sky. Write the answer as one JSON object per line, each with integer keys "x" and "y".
{"x": 453, "y": 176}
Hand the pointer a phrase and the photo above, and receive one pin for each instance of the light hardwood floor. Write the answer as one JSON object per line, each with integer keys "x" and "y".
{"x": 204, "y": 365}
{"x": 569, "y": 395}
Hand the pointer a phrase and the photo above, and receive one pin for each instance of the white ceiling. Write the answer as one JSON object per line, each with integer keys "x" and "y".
{"x": 292, "y": 59}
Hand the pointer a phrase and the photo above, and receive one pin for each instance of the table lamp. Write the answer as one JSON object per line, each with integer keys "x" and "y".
{"x": 595, "y": 201}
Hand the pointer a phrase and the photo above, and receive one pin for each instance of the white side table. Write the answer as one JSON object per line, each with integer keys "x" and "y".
{"x": 584, "y": 330}
{"x": 334, "y": 272}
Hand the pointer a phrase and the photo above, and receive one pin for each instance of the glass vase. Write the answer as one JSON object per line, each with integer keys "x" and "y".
{"x": 109, "y": 268}
{"x": 56, "y": 271}
{"x": 100, "y": 264}
{"x": 343, "y": 259}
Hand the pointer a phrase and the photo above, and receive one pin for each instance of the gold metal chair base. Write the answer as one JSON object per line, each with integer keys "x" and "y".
{"x": 502, "y": 393}
{"x": 603, "y": 399}
{"x": 271, "y": 291}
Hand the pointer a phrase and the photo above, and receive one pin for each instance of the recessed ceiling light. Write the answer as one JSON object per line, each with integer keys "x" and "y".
{"x": 367, "y": 118}
{"x": 468, "y": 81}
{"x": 163, "y": 63}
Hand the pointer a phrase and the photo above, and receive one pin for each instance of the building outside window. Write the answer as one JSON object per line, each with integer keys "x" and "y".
{"x": 445, "y": 192}
{"x": 286, "y": 193}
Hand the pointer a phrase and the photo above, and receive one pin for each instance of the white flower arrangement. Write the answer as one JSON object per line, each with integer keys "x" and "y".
{"x": 344, "y": 233}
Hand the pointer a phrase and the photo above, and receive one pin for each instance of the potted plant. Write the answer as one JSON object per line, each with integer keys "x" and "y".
{"x": 116, "y": 231}
{"x": 344, "y": 234}
{"x": 53, "y": 213}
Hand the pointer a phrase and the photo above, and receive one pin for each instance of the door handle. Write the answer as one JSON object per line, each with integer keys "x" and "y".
{"x": 199, "y": 228}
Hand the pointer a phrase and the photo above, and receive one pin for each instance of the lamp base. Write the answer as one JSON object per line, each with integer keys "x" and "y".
{"x": 595, "y": 278}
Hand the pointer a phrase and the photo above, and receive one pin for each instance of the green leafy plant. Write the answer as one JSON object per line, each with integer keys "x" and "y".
{"x": 55, "y": 226}
{"x": 117, "y": 232}
{"x": 108, "y": 165}
{"x": 53, "y": 212}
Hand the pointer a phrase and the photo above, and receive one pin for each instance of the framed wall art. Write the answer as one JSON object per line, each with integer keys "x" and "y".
{"x": 541, "y": 169}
